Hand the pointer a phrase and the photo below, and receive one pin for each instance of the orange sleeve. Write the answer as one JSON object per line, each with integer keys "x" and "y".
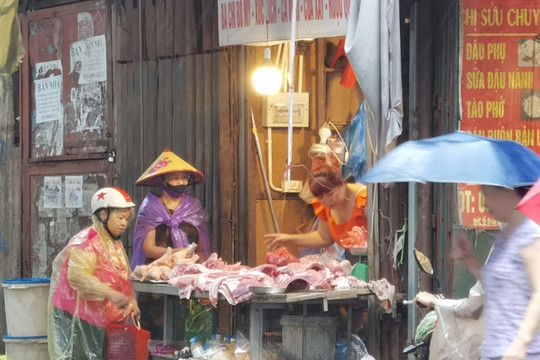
{"x": 361, "y": 198}
{"x": 319, "y": 209}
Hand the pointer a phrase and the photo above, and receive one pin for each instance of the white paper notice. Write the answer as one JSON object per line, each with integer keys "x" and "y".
{"x": 52, "y": 192}
{"x": 74, "y": 191}
{"x": 94, "y": 59}
{"x": 48, "y": 95}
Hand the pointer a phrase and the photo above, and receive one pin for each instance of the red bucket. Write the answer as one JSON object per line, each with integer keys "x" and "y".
{"x": 126, "y": 342}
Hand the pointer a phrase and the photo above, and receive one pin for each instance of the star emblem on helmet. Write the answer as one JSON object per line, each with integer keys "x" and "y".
{"x": 101, "y": 195}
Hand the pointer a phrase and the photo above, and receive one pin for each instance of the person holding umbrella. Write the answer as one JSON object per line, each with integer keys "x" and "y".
{"x": 511, "y": 276}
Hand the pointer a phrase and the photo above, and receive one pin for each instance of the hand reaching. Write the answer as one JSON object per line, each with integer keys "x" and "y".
{"x": 119, "y": 300}
{"x": 275, "y": 241}
{"x": 516, "y": 351}
{"x": 423, "y": 298}
{"x": 464, "y": 252}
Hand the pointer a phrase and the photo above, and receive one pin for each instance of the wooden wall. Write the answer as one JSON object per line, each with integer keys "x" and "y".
{"x": 166, "y": 63}
{"x": 10, "y": 223}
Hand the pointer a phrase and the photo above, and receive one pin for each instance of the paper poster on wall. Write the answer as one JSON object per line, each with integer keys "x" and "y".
{"x": 52, "y": 192}
{"x": 48, "y": 91}
{"x": 500, "y": 82}
{"x": 73, "y": 185}
{"x": 92, "y": 54}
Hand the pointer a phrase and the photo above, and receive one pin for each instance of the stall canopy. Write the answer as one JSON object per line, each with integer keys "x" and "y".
{"x": 372, "y": 45}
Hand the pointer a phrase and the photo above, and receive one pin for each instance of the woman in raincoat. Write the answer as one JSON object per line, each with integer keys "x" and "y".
{"x": 89, "y": 282}
{"x": 168, "y": 217}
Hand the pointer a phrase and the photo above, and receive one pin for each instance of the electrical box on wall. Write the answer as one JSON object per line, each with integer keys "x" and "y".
{"x": 276, "y": 110}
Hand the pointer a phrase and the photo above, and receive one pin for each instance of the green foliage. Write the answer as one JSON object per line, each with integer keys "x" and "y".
{"x": 199, "y": 321}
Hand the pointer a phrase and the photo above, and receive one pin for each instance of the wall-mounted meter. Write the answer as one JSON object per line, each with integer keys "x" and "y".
{"x": 276, "y": 110}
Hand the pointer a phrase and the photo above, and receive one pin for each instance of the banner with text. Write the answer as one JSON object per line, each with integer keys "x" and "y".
{"x": 252, "y": 21}
{"x": 500, "y": 82}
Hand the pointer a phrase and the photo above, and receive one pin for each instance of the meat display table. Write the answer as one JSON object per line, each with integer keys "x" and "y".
{"x": 257, "y": 305}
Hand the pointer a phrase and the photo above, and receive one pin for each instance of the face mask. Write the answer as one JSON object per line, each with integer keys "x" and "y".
{"x": 174, "y": 191}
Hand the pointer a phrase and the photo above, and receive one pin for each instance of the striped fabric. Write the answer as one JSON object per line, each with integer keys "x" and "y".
{"x": 507, "y": 291}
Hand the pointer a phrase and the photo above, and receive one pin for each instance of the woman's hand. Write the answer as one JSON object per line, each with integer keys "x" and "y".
{"x": 135, "y": 310}
{"x": 275, "y": 241}
{"x": 425, "y": 299}
{"x": 119, "y": 300}
{"x": 464, "y": 251}
{"x": 516, "y": 351}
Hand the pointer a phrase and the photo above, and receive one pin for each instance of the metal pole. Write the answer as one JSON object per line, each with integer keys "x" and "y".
{"x": 265, "y": 178}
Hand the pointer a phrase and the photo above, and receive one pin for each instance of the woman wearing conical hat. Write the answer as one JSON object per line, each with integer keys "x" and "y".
{"x": 168, "y": 217}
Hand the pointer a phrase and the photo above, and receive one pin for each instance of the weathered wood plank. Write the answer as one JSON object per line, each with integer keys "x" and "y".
{"x": 179, "y": 34}
{"x": 164, "y": 28}
{"x": 207, "y": 9}
{"x": 216, "y": 196}
{"x": 200, "y": 140}
{"x": 208, "y": 123}
{"x": 192, "y": 30}
{"x": 150, "y": 134}
{"x": 179, "y": 104}
{"x": 150, "y": 21}
{"x": 164, "y": 118}
{"x": 190, "y": 88}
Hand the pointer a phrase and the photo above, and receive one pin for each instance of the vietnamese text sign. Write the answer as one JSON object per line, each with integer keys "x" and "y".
{"x": 251, "y": 21}
{"x": 500, "y": 80}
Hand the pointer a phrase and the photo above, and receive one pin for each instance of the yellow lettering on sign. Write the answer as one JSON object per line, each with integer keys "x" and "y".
{"x": 495, "y": 80}
{"x": 495, "y": 109}
{"x": 525, "y": 137}
{"x": 520, "y": 80}
{"x": 475, "y": 109}
{"x": 496, "y": 51}
{"x": 470, "y": 17}
{"x": 501, "y": 134}
{"x": 475, "y": 80}
{"x": 523, "y": 17}
{"x": 474, "y": 51}
{"x": 491, "y": 17}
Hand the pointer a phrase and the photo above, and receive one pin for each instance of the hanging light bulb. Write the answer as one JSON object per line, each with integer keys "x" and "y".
{"x": 267, "y": 78}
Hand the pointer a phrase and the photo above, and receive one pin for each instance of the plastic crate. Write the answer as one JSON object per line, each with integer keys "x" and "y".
{"x": 310, "y": 337}
{"x": 126, "y": 342}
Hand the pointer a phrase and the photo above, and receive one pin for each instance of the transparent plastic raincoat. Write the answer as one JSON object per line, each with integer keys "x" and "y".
{"x": 79, "y": 311}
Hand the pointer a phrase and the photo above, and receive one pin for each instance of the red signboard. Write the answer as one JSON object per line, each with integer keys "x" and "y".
{"x": 500, "y": 81}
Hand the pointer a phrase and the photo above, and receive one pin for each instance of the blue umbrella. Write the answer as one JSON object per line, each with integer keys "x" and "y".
{"x": 458, "y": 158}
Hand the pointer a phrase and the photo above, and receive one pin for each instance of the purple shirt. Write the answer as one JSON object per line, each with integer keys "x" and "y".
{"x": 508, "y": 291}
{"x": 152, "y": 213}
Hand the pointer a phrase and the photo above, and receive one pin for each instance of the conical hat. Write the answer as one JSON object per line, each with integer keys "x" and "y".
{"x": 167, "y": 162}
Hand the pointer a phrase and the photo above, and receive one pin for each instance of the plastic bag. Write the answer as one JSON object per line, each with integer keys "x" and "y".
{"x": 358, "y": 349}
{"x": 165, "y": 348}
{"x": 460, "y": 327}
{"x": 355, "y": 138}
{"x": 242, "y": 347}
{"x": 333, "y": 252}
